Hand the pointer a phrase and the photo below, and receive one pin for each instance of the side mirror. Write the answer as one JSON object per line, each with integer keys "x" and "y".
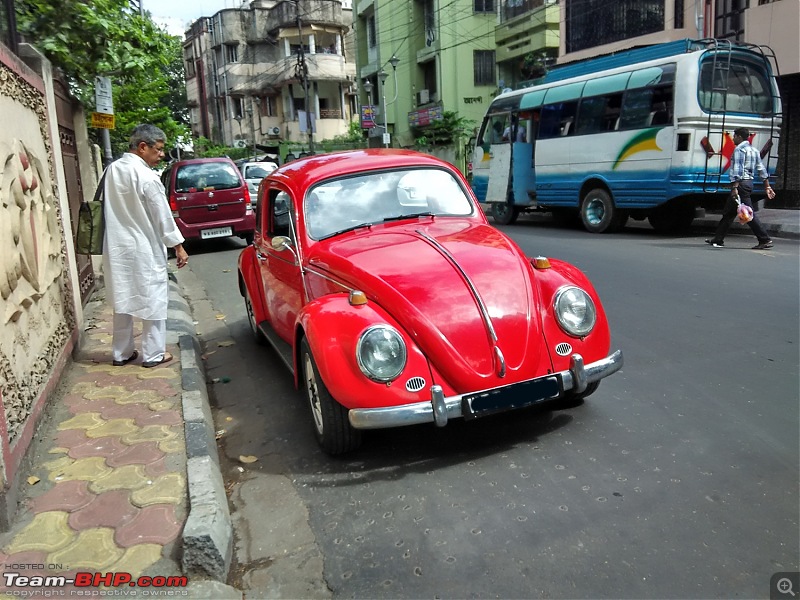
{"x": 281, "y": 242}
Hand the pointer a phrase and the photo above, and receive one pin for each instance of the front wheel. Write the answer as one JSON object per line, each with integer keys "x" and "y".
{"x": 331, "y": 425}
{"x": 504, "y": 214}
{"x": 598, "y": 213}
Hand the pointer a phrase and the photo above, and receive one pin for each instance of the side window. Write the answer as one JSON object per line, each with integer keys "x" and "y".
{"x": 280, "y": 213}
{"x": 557, "y": 120}
{"x": 599, "y": 114}
{"x": 493, "y": 130}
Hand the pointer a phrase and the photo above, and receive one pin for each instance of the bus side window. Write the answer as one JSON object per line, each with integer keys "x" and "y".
{"x": 556, "y": 119}
{"x": 636, "y": 108}
{"x": 493, "y": 133}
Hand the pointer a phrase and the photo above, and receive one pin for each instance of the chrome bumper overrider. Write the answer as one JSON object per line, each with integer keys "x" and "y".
{"x": 440, "y": 409}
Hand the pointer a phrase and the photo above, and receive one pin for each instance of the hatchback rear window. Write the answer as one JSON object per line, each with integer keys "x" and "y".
{"x": 255, "y": 172}
{"x": 206, "y": 176}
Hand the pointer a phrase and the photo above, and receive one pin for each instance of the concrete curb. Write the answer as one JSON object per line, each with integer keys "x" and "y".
{"x": 208, "y": 533}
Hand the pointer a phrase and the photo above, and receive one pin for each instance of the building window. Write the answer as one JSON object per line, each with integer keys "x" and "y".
{"x": 483, "y": 6}
{"x": 593, "y": 23}
{"x": 188, "y": 59}
{"x": 678, "y": 14}
{"x": 372, "y": 36}
{"x": 729, "y": 19}
{"x": 231, "y": 53}
{"x": 267, "y": 106}
{"x": 483, "y": 67}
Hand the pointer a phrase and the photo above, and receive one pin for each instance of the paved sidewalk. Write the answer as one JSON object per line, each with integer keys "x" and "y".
{"x": 108, "y": 486}
{"x": 779, "y": 223}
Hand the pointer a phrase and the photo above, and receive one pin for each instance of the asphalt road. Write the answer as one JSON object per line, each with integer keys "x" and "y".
{"x": 678, "y": 478}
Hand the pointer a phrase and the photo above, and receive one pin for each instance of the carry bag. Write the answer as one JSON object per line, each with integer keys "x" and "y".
{"x": 744, "y": 214}
{"x": 91, "y": 225}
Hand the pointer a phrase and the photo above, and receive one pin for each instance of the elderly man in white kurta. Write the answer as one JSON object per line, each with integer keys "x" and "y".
{"x": 139, "y": 229}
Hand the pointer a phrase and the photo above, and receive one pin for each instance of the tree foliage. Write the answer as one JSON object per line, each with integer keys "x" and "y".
{"x": 448, "y": 130}
{"x": 87, "y": 38}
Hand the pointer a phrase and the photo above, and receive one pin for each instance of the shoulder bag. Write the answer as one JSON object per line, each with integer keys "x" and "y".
{"x": 91, "y": 225}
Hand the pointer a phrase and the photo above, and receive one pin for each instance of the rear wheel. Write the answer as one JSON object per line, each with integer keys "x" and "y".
{"x": 331, "y": 425}
{"x": 598, "y": 213}
{"x": 249, "y": 237}
{"x": 504, "y": 213}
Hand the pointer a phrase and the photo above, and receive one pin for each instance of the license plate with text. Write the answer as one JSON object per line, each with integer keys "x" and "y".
{"x": 215, "y": 232}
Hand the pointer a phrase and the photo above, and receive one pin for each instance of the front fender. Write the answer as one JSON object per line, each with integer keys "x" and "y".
{"x": 333, "y": 326}
{"x": 592, "y": 347}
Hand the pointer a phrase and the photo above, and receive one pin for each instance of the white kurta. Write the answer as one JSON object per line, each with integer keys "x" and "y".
{"x": 139, "y": 228}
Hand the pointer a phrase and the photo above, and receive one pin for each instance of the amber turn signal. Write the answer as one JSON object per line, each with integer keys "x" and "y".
{"x": 357, "y": 298}
{"x": 541, "y": 262}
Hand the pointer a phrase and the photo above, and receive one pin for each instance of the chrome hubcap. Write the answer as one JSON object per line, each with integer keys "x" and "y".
{"x": 595, "y": 212}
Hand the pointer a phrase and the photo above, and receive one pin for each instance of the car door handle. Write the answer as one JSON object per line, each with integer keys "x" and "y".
{"x": 260, "y": 256}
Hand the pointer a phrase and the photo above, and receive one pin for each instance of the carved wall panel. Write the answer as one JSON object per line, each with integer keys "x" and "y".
{"x": 36, "y": 313}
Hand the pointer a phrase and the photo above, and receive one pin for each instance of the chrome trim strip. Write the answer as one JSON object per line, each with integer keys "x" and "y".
{"x": 487, "y": 320}
{"x": 318, "y": 273}
{"x": 439, "y": 409}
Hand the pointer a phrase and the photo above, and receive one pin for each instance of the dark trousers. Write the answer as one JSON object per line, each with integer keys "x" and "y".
{"x": 729, "y": 214}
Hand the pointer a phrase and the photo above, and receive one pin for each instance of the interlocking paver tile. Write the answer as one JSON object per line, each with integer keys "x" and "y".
{"x": 104, "y": 446}
{"x": 64, "y": 496}
{"x": 86, "y": 420}
{"x": 126, "y": 411}
{"x": 155, "y": 524}
{"x": 47, "y": 532}
{"x": 163, "y": 417}
{"x": 129, "y": 477}
{"x": 141, "y": 453}
{"x": 156, "y": 468}
{"x": 70, "y": 437}
{"x": 169, "y": 488}
{"x": 116, "y": 427}
{"x": 88, "y": 469}
{"x": 58, "y": 464}
{"x": 165, "y": 404}
{"x": 137, "y": 559}
{"x": 91, "y": 549}
{"x": 172, "y": 446}
{"x": 109, "y": 509}
{"x": 151, "y": 433}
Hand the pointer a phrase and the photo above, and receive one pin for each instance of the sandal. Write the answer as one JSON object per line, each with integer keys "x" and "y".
{"x": 131, "y": 358}
{"x": 154, "y": 363}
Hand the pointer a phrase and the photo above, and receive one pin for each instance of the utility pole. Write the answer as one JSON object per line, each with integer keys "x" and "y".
{"x": 304, "y": 73}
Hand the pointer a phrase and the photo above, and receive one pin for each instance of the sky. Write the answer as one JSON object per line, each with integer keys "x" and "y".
{"x": 175, "y": 15}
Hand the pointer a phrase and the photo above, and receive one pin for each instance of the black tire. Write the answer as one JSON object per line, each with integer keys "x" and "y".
{"x": 672, "y": 219}
{"x": 504, "y": 214}
{"x": 598, "y": 213}
{"x": 249, "y": 237}
{"x": 251, "y": 319}
{"x": 571, "y": 400}
{"x": 331, "y": 425}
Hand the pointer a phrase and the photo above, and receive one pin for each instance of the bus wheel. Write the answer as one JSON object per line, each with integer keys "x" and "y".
{"x": 672, "y": 219}
{"x": 598, "y": 212}
{"x": 503, "y": 213}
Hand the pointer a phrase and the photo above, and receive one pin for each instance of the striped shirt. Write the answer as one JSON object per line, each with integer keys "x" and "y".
{"x": 746, "y": 160}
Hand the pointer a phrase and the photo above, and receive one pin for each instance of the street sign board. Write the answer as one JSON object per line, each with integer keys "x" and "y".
{"x": 102, "y": 95}
{"x": 102, "y": 120}
{"x": 367, "y": 116}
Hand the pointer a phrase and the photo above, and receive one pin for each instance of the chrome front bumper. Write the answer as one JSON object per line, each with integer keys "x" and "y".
{"x": 440, "y": 409}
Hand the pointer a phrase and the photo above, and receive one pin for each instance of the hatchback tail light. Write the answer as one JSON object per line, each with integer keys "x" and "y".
{"x": 248, "y": 201}
{"x": 173, "y": 205}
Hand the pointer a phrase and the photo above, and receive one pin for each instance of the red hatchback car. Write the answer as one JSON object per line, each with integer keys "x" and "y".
{"x": 381, "y": 284}
{"x": 209, "y": 199}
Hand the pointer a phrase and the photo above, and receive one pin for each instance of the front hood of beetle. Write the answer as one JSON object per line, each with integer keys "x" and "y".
{"x": 432, "y": 276}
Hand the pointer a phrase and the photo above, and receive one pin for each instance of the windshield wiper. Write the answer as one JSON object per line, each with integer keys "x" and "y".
{"x": 409, "y": 216}
{"x": 346, "y": 229}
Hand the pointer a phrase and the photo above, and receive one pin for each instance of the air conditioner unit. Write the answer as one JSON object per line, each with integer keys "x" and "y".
{"x": 423, "y": 97}
{"x": 240, "y": 144}
{"x": 274, "y": 131}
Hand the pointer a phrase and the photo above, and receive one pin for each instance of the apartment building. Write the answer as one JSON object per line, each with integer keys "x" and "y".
{"x": 596, "y": 27}
{"x": 271, "y": 71}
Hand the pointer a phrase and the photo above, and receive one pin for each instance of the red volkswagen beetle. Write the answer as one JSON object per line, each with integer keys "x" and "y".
{"x": 379, "y": 281}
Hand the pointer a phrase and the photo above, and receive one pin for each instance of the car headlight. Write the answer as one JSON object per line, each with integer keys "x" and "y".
{"x": 381, "y": 353}
{"x": 575, "y": 311}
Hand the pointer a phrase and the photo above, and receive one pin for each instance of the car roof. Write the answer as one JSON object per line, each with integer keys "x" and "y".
{"x": 304, "y": 171}
{"x": 261, "y": 163}
{"x": 194, "y": 161}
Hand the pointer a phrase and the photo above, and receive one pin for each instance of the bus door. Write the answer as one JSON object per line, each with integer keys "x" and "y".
{"x": 523, "y": 175}
{"x": 491, "y": 160}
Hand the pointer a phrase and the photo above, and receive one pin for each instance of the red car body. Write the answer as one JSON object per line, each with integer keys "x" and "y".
{"x": 407, "y": 312}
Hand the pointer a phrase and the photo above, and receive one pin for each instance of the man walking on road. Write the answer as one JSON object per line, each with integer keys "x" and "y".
{"x": 745, "y": 162}
{"x": 139, "y": 228}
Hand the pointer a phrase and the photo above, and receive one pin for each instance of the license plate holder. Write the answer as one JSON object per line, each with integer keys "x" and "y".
{"x": 215, "y": 232}
{"x": 511, "y": 397}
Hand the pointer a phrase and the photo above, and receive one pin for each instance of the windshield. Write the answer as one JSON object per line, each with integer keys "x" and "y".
{"x": 741, "y": 87}
{"x": 207, "y": 176}
{"x": 342, "y": 204}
